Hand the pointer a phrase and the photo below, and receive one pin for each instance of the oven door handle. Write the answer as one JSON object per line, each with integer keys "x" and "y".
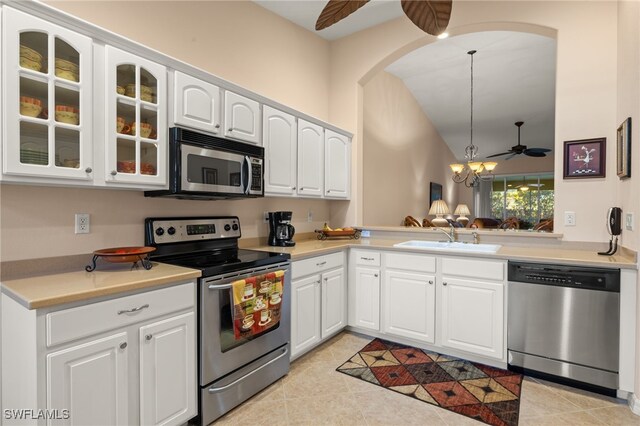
{"x": 225, "y": 387}
{"x": 220, "y": 287}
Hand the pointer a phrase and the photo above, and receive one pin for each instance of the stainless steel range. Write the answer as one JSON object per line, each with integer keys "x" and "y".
{"x": 235, "y": 359}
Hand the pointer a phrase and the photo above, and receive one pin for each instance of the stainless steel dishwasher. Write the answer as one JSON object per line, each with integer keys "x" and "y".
{"x": 564, "y": 323}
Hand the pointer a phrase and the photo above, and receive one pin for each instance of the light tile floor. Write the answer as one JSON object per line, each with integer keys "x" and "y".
{"x": 313, "y": 393}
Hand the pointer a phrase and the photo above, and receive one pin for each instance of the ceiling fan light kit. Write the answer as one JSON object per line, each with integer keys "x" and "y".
{"x": 475, "y": 170}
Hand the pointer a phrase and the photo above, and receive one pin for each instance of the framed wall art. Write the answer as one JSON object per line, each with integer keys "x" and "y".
{"x": 623, "y": 152}
{"x": 435, "y": 192}
{"x": 585, "y": 158}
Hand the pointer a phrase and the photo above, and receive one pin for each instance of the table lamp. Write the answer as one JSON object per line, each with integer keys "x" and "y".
{"x": 463, "y": 211}
{"x": 439, "y": 208}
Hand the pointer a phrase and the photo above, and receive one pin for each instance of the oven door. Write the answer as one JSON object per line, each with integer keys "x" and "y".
{"x": 215, "y": 171}
{"x": 220, "y": 352}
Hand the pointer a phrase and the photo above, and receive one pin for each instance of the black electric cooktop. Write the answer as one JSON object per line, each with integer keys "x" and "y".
{"x": 216, "y": 262}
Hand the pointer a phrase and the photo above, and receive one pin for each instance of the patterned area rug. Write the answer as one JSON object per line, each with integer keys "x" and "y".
{"x": 487, "y": 394}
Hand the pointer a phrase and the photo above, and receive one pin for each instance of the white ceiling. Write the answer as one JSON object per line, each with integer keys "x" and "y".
{"x": 514, "y": 80}
{"x": 514, "y": 77}
{"x": 306, "y": 12}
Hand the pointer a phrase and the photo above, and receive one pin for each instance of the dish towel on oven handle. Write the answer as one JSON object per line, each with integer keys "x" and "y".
{"x": 256, "y": 303}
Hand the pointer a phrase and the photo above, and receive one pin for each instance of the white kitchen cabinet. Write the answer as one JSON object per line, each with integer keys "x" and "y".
{"x": 337, "y": 165}
{"x": 367, "y": 298}
{"x": 242, "y": 118}
{"x": 136, "y": 115}
{"x": 319, "y": 302}
{"x": 91, "y": 381}
{"x": 334, "y": 308}
{"x": 125, "y": 360}
{"x": 167, "y": 363}
{"x": 306, "y": 314}
{"x": 280, "y": 139}
{"x": 409, "y": 307}
{"x": 47, "y": 84}
{"x": 472, "y": 316}
{"x": 196, "y": 103}
{"x": 310, "y": 159}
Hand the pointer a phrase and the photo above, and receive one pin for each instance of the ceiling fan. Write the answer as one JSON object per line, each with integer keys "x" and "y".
{"x": 431, "y": 16}
{"x": 522, "y": 149}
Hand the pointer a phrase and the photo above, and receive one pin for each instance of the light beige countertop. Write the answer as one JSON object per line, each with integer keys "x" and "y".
{"x": 51, "y": 290}
{"x": 308, "y": 248}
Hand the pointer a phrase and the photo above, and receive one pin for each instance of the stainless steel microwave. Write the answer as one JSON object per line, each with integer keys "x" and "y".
{"x": 207, "y": 167}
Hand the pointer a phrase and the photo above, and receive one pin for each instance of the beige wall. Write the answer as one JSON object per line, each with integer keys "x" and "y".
{"x": 585, "y": 88}
{"x": 238, "y": 41}
{"x": 629, "y": 106}
{"x": 403, "y": 152}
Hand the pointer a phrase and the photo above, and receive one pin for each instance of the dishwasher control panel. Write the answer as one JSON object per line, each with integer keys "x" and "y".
{"x": 565, "y": 275}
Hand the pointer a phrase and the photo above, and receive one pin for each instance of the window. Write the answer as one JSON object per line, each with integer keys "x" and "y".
{"x": 529, "y": 198}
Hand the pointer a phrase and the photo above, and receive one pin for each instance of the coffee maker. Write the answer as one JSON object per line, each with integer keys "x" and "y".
{"x": 280, "y": 229}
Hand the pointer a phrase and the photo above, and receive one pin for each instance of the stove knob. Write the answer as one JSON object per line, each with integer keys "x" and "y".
{"x": 227, "y": 227}
{"x": 235, "y": 227}
{"x": 159, "y": 232}
{"x": 171, "y": 230}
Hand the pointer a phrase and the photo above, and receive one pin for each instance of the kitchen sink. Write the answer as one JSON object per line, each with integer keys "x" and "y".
{"x": 450, "y": 246}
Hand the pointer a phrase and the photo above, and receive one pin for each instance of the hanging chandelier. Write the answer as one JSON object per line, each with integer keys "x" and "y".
{"x": 474, "y": 171}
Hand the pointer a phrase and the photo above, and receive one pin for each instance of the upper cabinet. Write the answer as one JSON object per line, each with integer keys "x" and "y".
{"x": 242, "y": 118}
{"x": 47, "y": 85}
{"x": 196, "y": 103}
{"x": 337, "y": 165}
{"x": 310, "y": 159}
{"x": 136, "y": 128}
{"x": 280, "y": 138}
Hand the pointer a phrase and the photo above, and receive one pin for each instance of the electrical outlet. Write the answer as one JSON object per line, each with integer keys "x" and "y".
{"x": 82, "y": 223}
{"x": 309, "y": 216}
{"x": 628, "y": 221}
{"x": 569, "y": 218}
{"x": 265, "y": 217}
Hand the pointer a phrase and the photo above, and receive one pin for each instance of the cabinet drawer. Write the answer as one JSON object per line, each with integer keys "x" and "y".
{"x": 410, "y": 262}
{"x": 473, "y": 268}
{"x": 75, "y": 323}
{"x": 369, "y": 258}
{"x": 314, "y": 265}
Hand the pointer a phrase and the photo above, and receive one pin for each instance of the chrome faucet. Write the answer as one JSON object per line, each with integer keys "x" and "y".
{"x": 475, "y": 237}
{"x": 451, "y": 234}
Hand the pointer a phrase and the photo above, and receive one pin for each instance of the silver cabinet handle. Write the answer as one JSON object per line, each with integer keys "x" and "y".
{"x": 123, "y": 345}
{"x": 113, "y": 173}
{"x": 444, "y": 283}
{"x": 328, "y": 191}
{"x": 230, "y": 129}
{"x": 367, "y": 258}
{"x": 88, "y": 170}
{"x": 217, "y": 126}
{"x": 375, "y": 275}
{"x": 294, "y": 188}
{"x": 321, "y": 264}
{"x": 430, "y": 282}
{"x": 148, "y": 336}
{"x": 132, "y": 310}
{"x": 318, "y": 282}
{"x": 225, "y": 387}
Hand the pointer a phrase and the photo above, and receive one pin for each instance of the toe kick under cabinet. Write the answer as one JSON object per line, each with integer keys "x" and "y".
{"x": 453, "y": 304}
{"x": 123, "y": 361}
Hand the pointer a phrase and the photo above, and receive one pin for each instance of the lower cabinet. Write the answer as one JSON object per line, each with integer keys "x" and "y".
{"x": 91, "y": 381}
{"x": 409, "y": 305}
{"x": 127, "y": 360}
{"x": 472, "y": 317}
{"x": 367, "y": 298}
{"x": 318, "y": 302}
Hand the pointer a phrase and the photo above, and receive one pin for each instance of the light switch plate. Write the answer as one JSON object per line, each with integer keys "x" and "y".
{"x": 569, "y": 218}
{"x": 628, "y": 221}
{"x": 265, "y": 217}
{"x": 309, "y": 216}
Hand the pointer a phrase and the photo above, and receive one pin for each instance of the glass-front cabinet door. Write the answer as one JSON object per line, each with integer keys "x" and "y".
{"x": 47, "y": 84}
{"x": 136, "y": 140}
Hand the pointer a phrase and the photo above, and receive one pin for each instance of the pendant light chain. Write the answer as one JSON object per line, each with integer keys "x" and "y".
{"x": 471, "y": 151}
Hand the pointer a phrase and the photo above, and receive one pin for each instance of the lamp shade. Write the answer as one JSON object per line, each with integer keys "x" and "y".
{"x": 439, "y": 207}
{"x": 462, "y": 210}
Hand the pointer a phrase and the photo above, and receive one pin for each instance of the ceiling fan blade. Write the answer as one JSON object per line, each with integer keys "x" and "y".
{"x": 535, "y": 154}
{"x": 337, "y": 10}
{"x": 538, "y": 150}
{"x": 511, "y": 156}
{"x": 498, "y": 155}
{"x": 431, "y": 16}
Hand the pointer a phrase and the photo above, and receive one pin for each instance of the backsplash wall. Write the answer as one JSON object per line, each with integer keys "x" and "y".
{"x": 38, "y": 222}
